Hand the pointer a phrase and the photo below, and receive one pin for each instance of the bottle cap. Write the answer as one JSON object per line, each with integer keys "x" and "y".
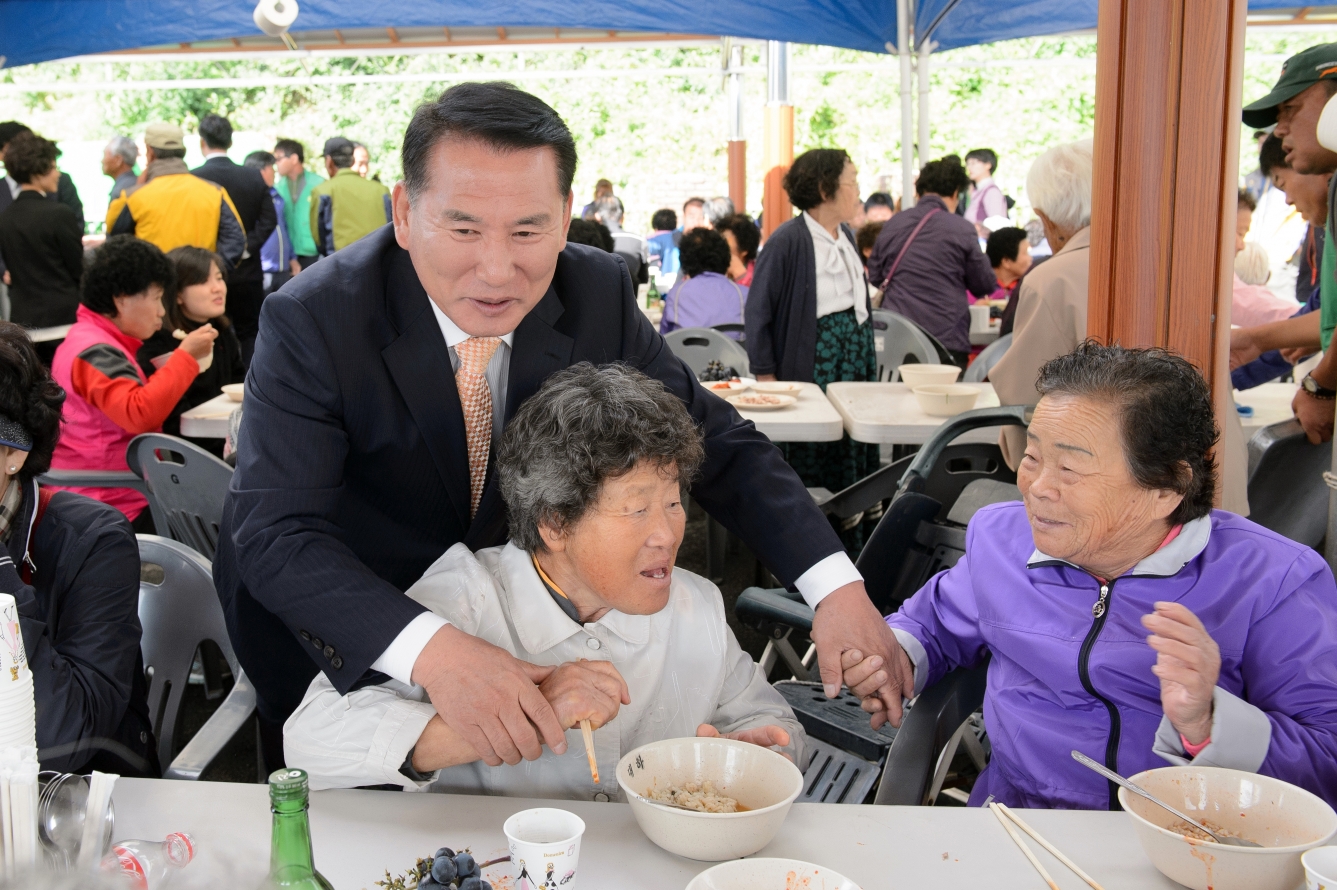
{"x": 287, "y": 784}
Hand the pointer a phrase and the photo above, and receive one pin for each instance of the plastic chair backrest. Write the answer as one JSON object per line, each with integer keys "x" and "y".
{"x": 188, "y": 483}
{"x": 930, "y": 724}
{"x": 178, "y": 610}
{"x": 698, "y": 347}
{"x": 988, "y": 357}
{"x": 1286, "y": 490}
{"x": 899, "y": 341}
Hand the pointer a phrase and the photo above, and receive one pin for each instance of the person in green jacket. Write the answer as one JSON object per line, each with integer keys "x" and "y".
{"x": 295, "y": 184}
{"x": 345, "y": 207}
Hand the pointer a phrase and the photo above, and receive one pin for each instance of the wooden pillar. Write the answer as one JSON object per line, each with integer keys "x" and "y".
{"x": 778, "y": 150}
{"x": 738, "y": 174}
{"x": 737, "y": 144}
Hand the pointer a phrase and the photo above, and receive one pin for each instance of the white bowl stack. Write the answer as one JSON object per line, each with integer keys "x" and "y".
{"x": 18, "y": 713}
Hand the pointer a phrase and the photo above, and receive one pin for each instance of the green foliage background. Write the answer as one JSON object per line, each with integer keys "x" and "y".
{"x": 640, "y": 130}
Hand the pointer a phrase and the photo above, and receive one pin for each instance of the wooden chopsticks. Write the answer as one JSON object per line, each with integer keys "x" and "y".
{"x": 1007, "y": 817}
{"x": 587, "y": 733}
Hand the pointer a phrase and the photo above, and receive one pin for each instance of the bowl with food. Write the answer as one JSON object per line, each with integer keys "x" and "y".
{"x": 761, "y": 401}
{"x": 1285, "y": 819}
{"x": 709, "y": 798}
{"x": 781, "y": 387}
{"x": 733, "y": 384}
{"x": 913, "y": 375}
{"x": 234, "y": 391}
{"x": 770, "y": 874}
{"x": 945, "y": 399}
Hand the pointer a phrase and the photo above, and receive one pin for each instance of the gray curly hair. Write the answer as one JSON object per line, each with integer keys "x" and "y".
{"x": 585, "y": 426}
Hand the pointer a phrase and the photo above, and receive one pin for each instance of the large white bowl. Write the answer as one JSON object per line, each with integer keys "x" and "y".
{"x": 1287, "y": 820}
{"x": 913, "y": 375}
{"x": 946, "y": 399}
{"x": 758, "y": 778}
{"x": 770, "y": 874}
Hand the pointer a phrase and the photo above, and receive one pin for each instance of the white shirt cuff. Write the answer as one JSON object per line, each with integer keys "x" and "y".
{"x": 399, "y": 657}
{"x": 827, "y": 576}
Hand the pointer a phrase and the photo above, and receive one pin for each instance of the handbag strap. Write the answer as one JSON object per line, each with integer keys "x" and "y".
{"x": 908, "y": 241}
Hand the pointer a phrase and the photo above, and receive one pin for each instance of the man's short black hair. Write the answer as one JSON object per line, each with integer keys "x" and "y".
{"x": 591, "y": 232}
{"x": 28, "y": 156}
{"x": 664, "y": 220}
{"x": 699, "y": 202}
{"x": 122, "y": 266}
{"x": 259, "y": 160}
{"x": 10, "y": 129}
{"x": 879, "y": 199}
{"x": 703, "y": 250}
{"x": 291, "y": 147}
{"x": 216, "y": 131}
{"x": 1004, "y": 244}
{"x": 500, "y": 115}
{"x": 984, "y": 155}
{"x": 1271, "y": 155}
{"x": 814, "y": 177}
{"x": 745, "y": 234}
{"x": 945, "y": 177}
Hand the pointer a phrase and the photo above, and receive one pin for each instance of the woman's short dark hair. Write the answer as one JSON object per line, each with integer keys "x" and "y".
{"x": 745, "y": 234}
{"x": 1165, "y": 416}
{"x": 591, "y": 232}
{"x": 500, "y": 115}
{"x": 866, "y": 237}
{"x": 1246, "y": 201}
{"x": 1004, "y": 244}
{"x": 193, "y": 265}
{"x": 814, "y": 176}
{"x": 945, "y": 177}
{"x": 703, "y": 250}
{"x": 664, "y": 220}
{"x": 985, "y": 156}
{"x": 122, "y": 266}
{"x": 29, "y": 156}
{"x": 29, "y": 397}
{"x": 585, "y": 426}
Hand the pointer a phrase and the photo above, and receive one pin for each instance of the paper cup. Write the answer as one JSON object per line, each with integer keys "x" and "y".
{"x": 1320, "y": 868}
{"x": 545, "y": 848}
{"x": 13, "y": 659}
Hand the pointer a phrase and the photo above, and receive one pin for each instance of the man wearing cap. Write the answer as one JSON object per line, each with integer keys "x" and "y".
{"x": 345, "y": 207}
{"x": 1308, "y": 80}
{"x": 171, "y": 208}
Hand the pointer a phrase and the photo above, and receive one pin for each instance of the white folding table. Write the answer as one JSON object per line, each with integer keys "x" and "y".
{"x": 889, "y": 413}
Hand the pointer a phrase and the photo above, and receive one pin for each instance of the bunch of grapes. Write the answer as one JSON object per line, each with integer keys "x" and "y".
{"x": 453, "y": 870}
{"x": 716, "y": 370}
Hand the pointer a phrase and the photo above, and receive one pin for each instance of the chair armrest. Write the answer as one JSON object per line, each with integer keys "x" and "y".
{"x": 761, "y": 608}
{"x": 94, "y": 479}
{"x": 928, "y": 725}
{"x": 217, "y": 731}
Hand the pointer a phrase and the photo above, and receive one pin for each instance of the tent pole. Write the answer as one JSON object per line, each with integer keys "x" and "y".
{"x": 778, "y": 152}
{"x": 737, "y": 142}
{"x": 925, "y": 49}
{"x": 907, "y": 105}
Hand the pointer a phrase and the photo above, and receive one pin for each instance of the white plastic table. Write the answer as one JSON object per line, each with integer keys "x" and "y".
{"x": 1271, "y": 403}
{"x": 358, "y": 835}
{"x": 813, "y": 419}
{"x": 889, "y": 414}
{"x": 208, "y": 420}
{"x": 987, "y": 335}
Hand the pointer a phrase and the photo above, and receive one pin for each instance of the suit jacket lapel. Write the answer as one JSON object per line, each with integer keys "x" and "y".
{"x": 420, "y": 365}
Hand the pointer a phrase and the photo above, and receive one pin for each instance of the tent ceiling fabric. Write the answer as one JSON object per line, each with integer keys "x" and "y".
{"x": 42, "y": 30}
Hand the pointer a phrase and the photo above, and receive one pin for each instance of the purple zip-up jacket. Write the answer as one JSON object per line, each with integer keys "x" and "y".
{"x": 1061, "y": 678}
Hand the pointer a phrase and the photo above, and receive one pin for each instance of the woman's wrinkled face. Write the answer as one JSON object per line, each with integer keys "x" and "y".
{"x": 622, "y": 550}
{"x": 140, "y": 315}
{"x": 201, "y": 302}
{"x": 1082, "y": 501}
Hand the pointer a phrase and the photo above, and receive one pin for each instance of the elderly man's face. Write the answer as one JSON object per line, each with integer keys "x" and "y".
{"x": 694, "y": 217}
{"x": 1308, "y": 194}
{"x": 361, "y": 162}
{"x": 1081, "y": 498}
{"x": 1297, "y": 127}
{"x": 621, "y": 552}
{"x": 485, "y": 232}
{"x": 878, "y": 213}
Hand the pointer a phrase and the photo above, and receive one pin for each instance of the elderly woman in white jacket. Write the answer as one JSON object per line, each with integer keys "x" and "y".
{"x": 592, "y": 470}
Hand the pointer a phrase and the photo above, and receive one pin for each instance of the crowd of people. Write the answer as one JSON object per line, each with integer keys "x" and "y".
{"x": 458, "y": 500}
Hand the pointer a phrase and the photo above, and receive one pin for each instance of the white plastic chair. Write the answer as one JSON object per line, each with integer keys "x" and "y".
{"x": 699, "y": 347}
{"x": 900, "y": 341}
{"x": 988, "y": 357}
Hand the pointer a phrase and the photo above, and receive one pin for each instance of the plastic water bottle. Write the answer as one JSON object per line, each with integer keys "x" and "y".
{"x": 146, "y": 864}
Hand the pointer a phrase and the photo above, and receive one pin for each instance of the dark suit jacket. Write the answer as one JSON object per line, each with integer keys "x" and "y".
{"x": 41, "y": 242}
{"x": 65, "y": 194}
{"x": 250, "y": 195}
{"x": 352, "y": 472}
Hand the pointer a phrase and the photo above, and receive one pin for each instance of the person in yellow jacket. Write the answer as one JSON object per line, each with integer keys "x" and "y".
{"x": 171, "y": 207}
{"x": 345, "y": 207}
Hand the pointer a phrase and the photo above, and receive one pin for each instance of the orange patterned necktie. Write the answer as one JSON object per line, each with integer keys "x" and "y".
{"x": 476, "y": 400}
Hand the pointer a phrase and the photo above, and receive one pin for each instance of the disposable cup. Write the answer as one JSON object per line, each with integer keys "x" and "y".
{"x": 1320, "y": 868}
{"x": 13, "y": 660}
{"x": 545, "y": 848}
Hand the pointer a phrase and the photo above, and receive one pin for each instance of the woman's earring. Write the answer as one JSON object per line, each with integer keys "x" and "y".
{"x": 13, "y": 469}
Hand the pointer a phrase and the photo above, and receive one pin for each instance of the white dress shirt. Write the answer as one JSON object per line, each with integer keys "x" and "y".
{"x": 840, "y": 279}
{"x": 682, "y": 665}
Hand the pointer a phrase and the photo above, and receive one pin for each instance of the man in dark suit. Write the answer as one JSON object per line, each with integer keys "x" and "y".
{"x": 383, "y": 375}
{"x": 250, "y": 195}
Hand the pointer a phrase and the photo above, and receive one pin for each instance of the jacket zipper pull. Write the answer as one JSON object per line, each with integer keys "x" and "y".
{"x": 1099, "y": 608}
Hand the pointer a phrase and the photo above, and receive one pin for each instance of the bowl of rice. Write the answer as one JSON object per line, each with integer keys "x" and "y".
{"x": 709, "y": 799}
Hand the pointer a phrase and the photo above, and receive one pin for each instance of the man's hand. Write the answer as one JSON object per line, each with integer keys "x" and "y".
{"x": 865, "y": 676}
{"x": 1315, "y": 415}
{"x": 1188, "y": 664}
{"x": 585, "y": 690}
{"x": 765, "y": 736}
{"x": 1296, "y": 354}
{"x": 488, "y": 696}
{"x": 294, "y": 267}
{"x": 1243, "y": 347}
{"x": 846, "y": 620}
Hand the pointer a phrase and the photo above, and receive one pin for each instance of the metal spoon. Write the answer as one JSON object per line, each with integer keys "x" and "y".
{"x": 60, "y": 817}
{"x": 1121, "y": 781}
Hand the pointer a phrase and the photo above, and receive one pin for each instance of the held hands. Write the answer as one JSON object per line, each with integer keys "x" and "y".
{"x": 866, "y": 676}
{"x": 765, "y": 736}
{"x": 585, "y": 690}
{"x": 1188, "y": 663}
{"x": 846, "y": 623}
{"x": 200, "y": 342}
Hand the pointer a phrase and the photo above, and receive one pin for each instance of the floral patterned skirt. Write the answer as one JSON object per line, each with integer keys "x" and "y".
{"x": 845, "y": 351}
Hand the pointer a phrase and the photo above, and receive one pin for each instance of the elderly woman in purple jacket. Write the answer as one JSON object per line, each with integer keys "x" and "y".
{"x": 1125, "y": 618}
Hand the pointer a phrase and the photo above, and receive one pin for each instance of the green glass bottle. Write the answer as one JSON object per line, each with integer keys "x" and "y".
{"x": 290, "y": 861}
{"x": 652, "y": 294}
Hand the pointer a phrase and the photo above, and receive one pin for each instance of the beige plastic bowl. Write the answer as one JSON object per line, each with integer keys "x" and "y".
{"x": 918, "y": 375}
{"x": 946, "y": 399}
{"x": 758, "y": 778}
{"x": 234, "y": 391}
{"x": 1287, "y": 820}
{"x": 765, "y": 874}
